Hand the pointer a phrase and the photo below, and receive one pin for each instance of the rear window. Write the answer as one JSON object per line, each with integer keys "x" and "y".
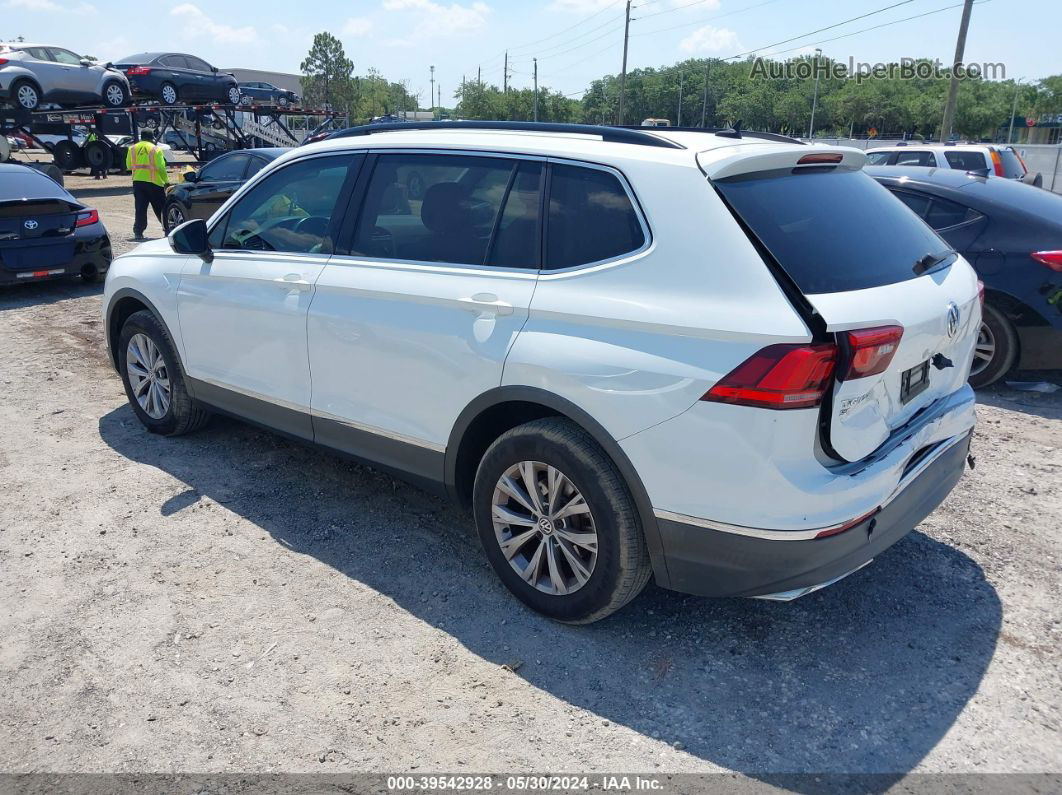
{"x": 831, "y": 231}
{"x": 1012, "y": 167}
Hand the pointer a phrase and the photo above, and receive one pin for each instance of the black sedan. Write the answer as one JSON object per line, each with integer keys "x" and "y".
{"x": 46, "y": 233}
{"x": 203, "y": 191}
{"x": 173, "y": 77}
{"x": 260, "y": 93}
{"x": 1012, "y": 235}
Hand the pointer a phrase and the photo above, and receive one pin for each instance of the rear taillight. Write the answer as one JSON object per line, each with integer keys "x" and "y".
{"x": 138, "y": 70}
{"x": 1052, "y": 259}
{"x": 780, "y": 376}
{"x": 3, "y": 61}
{"x": 871, "y": 350}
{"x": 981, "y": 292}
{"x": 87, "y": 217}
{"x": 997, "y": 163}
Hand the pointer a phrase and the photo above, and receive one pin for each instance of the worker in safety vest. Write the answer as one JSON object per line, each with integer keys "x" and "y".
{"x": 148, "y": 166}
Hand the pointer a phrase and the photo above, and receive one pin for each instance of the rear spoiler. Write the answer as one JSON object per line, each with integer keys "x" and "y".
{"x": 731, "y": 161}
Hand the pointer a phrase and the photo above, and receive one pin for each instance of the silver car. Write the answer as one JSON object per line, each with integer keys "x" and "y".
{"x": 32, "y": 74}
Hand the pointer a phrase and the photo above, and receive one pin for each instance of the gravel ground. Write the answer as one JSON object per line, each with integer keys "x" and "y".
{"x": 232, "y": 601}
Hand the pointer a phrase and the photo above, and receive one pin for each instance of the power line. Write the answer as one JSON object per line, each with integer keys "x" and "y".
{"x": 668, "y": 10}
{"x": 702, "y": 20}
{"x": 561, "y": 32}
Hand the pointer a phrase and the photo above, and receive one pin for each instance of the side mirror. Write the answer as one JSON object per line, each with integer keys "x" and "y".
{"x": 191, "y": 176}
{"x": 191, "y": 238}
{"x": 85, "y": 62}
{"x": 214, "y": 69}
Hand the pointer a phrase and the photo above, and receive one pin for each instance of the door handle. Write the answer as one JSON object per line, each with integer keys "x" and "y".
{"x": 487, "y": 302}
{"x": 294, "y": 279}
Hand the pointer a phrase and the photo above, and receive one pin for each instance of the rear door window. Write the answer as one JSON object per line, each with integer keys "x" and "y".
{"x": 174, "y": 61}
{"x": 878, "y": 158}
{"x": 966, "y": 161}
{"x": 831, "y": 230}
{"x": 591, "y": 218}
{"x": 943, "y": 214}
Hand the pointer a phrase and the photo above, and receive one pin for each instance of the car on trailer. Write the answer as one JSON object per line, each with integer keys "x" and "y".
{"x": 174, "y": 77}
{"x": 45, "y": 233}
{"x": 260, "y": 92}
{"x": 34, "y": 74}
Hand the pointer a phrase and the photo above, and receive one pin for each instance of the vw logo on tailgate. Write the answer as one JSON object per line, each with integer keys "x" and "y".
{"x": 953, "y": 320}
{"x": 30, "y": 224}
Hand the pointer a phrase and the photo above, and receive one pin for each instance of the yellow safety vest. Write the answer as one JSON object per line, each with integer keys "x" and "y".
{"x": 147, "y": 163}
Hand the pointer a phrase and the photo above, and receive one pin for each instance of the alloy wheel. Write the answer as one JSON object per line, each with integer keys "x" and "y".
{"x": 169, "y": 94}
{"x": 148, "y": 376}
{"x": 234, "y": 96}
{"x": 984, "y": 350}
{"x": 544, "y": 527}
{"x": 27, "y": 96}
{"x": 115, "y": 96}
{"x": 174, "y": 217}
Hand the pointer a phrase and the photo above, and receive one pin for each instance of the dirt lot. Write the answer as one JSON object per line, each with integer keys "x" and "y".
{"x": 231, "y": 601}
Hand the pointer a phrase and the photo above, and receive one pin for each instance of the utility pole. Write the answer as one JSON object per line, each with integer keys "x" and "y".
{"x": 678, "y": 121}
{"x": 439, "y": 89}
{"x": 1014, "y": 109}
{"x": 505, "y": 74}
{"x": 704, "y": 103}
{"x": 479, "y": 76}
{"x": 623, "y": 74}
{"x": 953, "y": 85}
{"x": 431, "y": 96}
{"x": 535, "y": 70}
{"x": 815, "y": 99}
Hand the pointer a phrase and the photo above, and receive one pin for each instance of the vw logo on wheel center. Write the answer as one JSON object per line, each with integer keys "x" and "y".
{"x": 545, "y": 525}
{"x": 30, "y": 224}
{"x": 953, "y": 319}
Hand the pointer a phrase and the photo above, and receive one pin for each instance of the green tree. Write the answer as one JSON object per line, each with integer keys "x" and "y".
{"x": 326, "y": 80}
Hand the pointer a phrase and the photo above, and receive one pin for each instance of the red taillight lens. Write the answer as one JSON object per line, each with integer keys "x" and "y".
{"x": 981, "y": 292}
{"x": 3, "y": 61}
{"x": 997, "y": 163}
{"x": 778, "y": 377}
{"x": 1052, "y": 259}
{"x": 820, "y": 158}
{"x": 871, "y": 350}
{"x": 86, "y": 217}
{"x": 138, "y": 70}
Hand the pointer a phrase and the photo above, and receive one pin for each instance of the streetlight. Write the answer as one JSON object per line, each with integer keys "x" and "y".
{"x": 432, "y": 68}
{"x": 1014, "y": 109}
{"x": 815, "y": 99}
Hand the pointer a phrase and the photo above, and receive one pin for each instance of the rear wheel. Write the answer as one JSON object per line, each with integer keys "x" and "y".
{"x": 154, "y": 382}
{"x": 996, "y": 348}
{"x": 558, "y": 523}
{"x": 26, "y": 95}
{"x": 67, "y": 156}
{"x": 168, "y": 94}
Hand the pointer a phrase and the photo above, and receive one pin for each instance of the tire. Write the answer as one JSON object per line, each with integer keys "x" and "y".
{"x": 245, "y": 100}
{"x": 115, "y": 95}
{"x": 25, "y": 95}
{"x": 67, "y": 156}
{"x": 181, "y": 415}
{"x": 168, "y": 94}
{"x": 618, "y": 566}
{"x": 282, "y": 101}
{"x": 233, "y": 95}
{"x": 98, "y": 155}
{"x": 173, "y": 217}
{"x": 996, "y": 350}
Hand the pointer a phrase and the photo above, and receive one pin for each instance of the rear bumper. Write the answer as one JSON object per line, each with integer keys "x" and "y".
{"x": 92, "y": 251}
{"x": 711, "y": 562}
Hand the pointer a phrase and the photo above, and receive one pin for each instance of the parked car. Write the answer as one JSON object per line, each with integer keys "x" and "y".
{"x": 34, "y": 74}
{"x": 266, "y": 93}
{"x": 999, "y": 161}
{"x": 613, "y": 387}
{"x": 173, "y": 77}
{"x": 1012, "y": 235}
{"x": 46, "y": 233}
{"x": 202, "y": 192}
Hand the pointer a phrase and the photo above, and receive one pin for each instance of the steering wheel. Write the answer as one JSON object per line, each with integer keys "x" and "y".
{"x": 314, "y": 225}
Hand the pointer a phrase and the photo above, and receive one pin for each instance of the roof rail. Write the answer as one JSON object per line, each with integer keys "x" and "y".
{"x": 621, "y": 135}
{"x": 729, "y": 132}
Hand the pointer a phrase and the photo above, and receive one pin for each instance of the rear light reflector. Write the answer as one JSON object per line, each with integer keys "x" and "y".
{"x": 138, "y": 70}
{"x": 997, "y": 163}
{"x": 87, "y": 217}
{"x": 820, "y": 157}
{"x": 784, "y": 376}
{"x": 832, "y": 531}
{"x": 871, "y": 350}
{"x": 1052, "y": 259}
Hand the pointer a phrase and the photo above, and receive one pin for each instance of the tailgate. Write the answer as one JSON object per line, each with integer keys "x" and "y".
{"x": 878, "y": 281}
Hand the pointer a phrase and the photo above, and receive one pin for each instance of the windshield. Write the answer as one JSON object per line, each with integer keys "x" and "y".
{"x": 832, "y": 230}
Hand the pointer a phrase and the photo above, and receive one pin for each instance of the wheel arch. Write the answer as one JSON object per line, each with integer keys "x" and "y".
{"x": 503, "y": 408}
{"x": 124, "y": 303}
{"x": 27, "y": 77}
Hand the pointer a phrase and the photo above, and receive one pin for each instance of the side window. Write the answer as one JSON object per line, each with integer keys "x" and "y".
{"x": 877, "y": 158}
{"x": 517, "y": 238}
{"x": 432, "y": 208}
{"x": 943, "y": 213}
{"x": 591, "y": 218}
{"x": 40, "y": 53}
{"x": 915, "y": 159}
{"x": 174, "y": 61}
{"x": 224, "y": 169}
{"x": 197, "y": 64}
{"x": 257, "y": 164}
{"x": 64, "y": 57}
{"x": 916, "y": 201}
{"x": 967, "y": 161}
{"x": 293, "y": 209}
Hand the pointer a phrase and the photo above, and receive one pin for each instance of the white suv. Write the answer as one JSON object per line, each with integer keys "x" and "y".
{"x": 727, "y": 361}
{"x": 1000, "y": 161}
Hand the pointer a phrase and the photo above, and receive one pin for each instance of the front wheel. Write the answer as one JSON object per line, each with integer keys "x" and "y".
{"x": 558, "y": 523}
{"x": 154, "y": 383}
{"x": 234, "y": 95}
{"x": 174, "y": 217}
{"x": 996, "y": 348}
{"x": 115, "y": 95}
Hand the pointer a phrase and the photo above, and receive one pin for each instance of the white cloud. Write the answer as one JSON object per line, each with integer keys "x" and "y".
{"x": 197, "y": 24}
{"x": 437, "y": 19}
{"x": 710, "y": 39}
{"x": 584, "y": 6}
{"x": 357, "y": 26}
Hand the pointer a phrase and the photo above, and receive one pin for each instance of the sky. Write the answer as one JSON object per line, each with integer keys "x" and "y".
{"x": 574, "y": 40}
